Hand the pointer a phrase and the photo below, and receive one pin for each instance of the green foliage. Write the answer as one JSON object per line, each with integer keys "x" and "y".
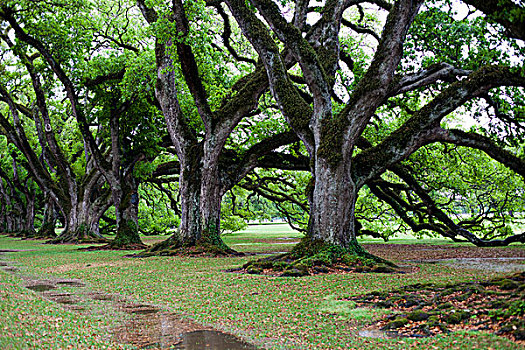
{"x": 155, "y": 213}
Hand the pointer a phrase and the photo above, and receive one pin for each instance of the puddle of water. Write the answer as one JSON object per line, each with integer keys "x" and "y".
{"x": 65, "y": 301}
{"x": 140, "y": 309}
{"x": 71, "y": 283}
{"x": 41, "y": 287}
{"x": 200, "y": 340}
{"x": 59, "y": 295}
{"x": 10, "y": 269}
{"x": 154, "y": 331}
{"x": 144, "y": 311}
{"x": 377, "y": 334}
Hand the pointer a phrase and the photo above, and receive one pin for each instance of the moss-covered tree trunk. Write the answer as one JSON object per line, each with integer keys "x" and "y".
{"x": 28, "y": 229}
{"x": 126, "y": 200}
{"x": 211, "y": 192}
{"x": 81, "y": 225}
{"x": 199, "y": 230}
{"x": 49, "y": 220}
{"x": 332, "y": 210}
{"x": 331, "y": 226}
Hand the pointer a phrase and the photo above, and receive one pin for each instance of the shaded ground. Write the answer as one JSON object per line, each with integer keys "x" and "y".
{"x": 143, "y": 325}
{"x": 496, "y": 306}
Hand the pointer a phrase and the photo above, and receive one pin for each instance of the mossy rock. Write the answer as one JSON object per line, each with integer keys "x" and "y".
{"x": 456, "y": 317}
{"x": 507, "y": 284}
{"x": 254, "y": 270}
{"x": 396, "y": 323}
{"x": 383, "y": 268}
{"x": 417, "y": 315}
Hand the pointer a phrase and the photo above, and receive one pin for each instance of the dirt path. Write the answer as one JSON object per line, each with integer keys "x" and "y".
{"x": 468, "y": 257}
{"x": 142, "y": 325}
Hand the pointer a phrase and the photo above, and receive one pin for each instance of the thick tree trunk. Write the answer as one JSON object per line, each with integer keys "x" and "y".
{"x": 49, "y": 220}
{"x": 333, "y": 205}
{"x": 81, "y": 226}
{"x": 332, "y": 213}
{"x": 201, "y": 195}
{"x": 330, "y": 242}
{"x": 3, "y": 217}
{"x": 127, "y": 206}
{"x": 28, "y": 229}
{"x": 190, "y": 225}
{"x": 211, "y": 193}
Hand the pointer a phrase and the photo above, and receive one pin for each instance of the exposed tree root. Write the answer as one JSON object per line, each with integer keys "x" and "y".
{"x": 110, "y": 246}
{"x": 72, "y": 238}
{"x": 314, "y": 257}
{"x": 173, "y": 247}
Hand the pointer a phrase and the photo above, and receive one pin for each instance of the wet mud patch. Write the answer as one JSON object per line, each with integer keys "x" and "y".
{"x": 166, "y": 330}
{"x": 423, "y": 310}
{"x": 15, "y": 250}
{"x": 71, "y": 283}
{"x": 101, "y": 296}
{"x": 377, "y": 334}
{"x": 63, "y": 298}
{"x": 487, "y": 264}
{"x": 139, "y": 309}
{"x": 40, "y": 287}
{"x": 76, "y": 266}
{"x": 211, "y": 340}
{"x": 10, "y": 268}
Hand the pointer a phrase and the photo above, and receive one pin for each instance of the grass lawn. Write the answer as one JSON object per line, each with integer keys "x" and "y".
{"x": 270, "y": 312}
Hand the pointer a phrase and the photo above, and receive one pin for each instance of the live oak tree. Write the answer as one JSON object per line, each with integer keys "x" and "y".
{"x": 73, "y": 191}
{"x": 200, "y": 123}
{"x": 332, "y": 129}
{"x": 92, "y": 65}
{"x": 18, "y": 195}
{"x": 364, "y": 101}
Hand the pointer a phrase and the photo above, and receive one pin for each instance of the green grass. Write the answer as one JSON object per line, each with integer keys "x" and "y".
{"x": 279, "y": 313}
{"x": 28, "y": 321}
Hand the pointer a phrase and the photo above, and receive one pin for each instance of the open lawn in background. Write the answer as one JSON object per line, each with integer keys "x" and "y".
{"x": 313, "y": 312}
